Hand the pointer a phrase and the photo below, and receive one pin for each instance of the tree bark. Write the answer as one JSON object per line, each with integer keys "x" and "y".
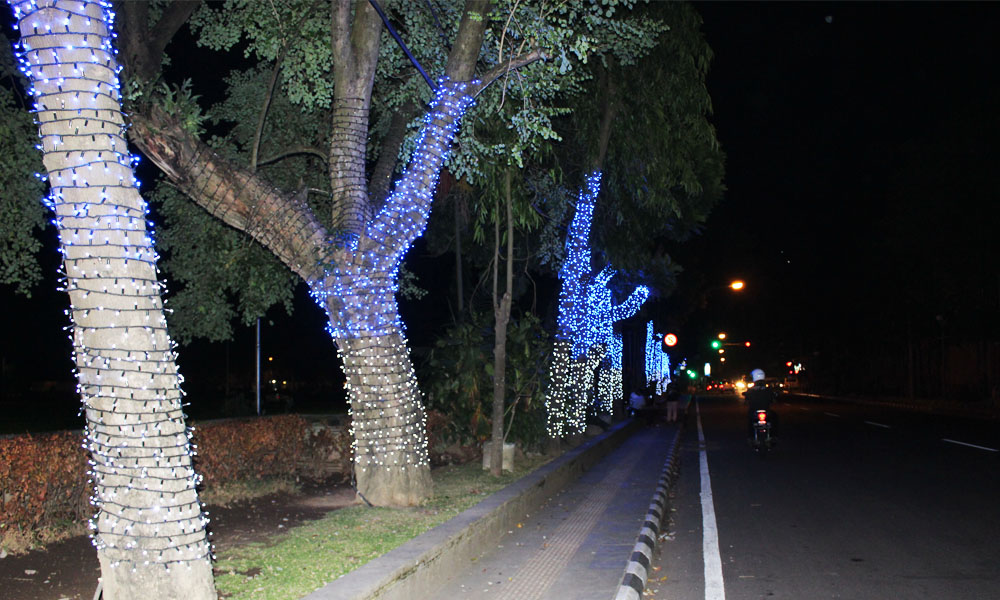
{"x": 149, "y": 529}
{"x": 355, "y": 52}
{"x": 381, "y": 179}
{"x": 354, "y": 280}
{"x": 501, "y": 313}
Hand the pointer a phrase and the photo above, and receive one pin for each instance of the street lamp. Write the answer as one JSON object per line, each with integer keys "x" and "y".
{"x": 736, "y": 285}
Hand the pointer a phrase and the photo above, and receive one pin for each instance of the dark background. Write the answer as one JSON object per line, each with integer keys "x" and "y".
{"x": 862, "y": 199}
{"x": 861, "y": 208}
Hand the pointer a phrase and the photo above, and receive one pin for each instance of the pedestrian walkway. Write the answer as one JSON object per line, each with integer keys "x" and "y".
{"x": 577, "y": 544}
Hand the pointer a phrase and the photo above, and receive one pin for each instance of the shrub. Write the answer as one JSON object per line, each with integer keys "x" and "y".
{"x": 458, "y": 385}
{"x": 43, "y": 483}
{"x": 45, "y": 490}
{"x": 247, "y": 449}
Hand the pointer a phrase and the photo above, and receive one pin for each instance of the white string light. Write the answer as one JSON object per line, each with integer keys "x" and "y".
{"x": 657, "y": 361}
{"x": 389, "y": 429}
{"x": 585, "y": 326}
{"x": 148, "y": 512}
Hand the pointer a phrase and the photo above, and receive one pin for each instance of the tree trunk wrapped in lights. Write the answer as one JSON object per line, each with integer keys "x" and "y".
{"x": 360, "y": 300}
{"x": 585, "y": 323}
{"x": 351, "y": 268}
{"x": 149, "y": 529}
{"x": 604, "y": 317}
{"x": 562, "y": 399}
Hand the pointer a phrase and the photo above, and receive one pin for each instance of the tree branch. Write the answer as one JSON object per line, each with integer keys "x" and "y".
{"x": 496, "y": 72}
{"x": 143, "y": 46}
{"x": 293, "y": 151}
{"x": 280, "y": 222}
{"x": 381, "y": 179}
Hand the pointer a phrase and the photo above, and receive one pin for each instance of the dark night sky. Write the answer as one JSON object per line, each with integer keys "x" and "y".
{"x": 861, "y": 175}
{"x": 858, "y": 137}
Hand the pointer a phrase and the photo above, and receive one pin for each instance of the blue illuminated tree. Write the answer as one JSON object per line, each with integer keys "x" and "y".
{"x": 609, "y": 385}
{"x": 585, "y": 321}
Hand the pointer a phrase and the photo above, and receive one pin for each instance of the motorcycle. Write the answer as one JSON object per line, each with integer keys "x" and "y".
{"x": 762, "y": 440}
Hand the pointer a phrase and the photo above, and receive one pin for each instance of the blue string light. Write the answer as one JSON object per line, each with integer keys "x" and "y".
{"x": 148, "y": 512}
{"x": 585, "y": 325}
{"x": 359, "y": 297}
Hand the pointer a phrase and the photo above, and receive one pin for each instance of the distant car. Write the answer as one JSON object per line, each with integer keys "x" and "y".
{"x": 792, "y": 383}
{"x": 773, "y": 382}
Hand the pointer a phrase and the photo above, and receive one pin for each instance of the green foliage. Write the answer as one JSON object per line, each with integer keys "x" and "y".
{"x": 215, "y": 264}
{"x": 664, "y": 166}
{"x": 511, "y": 125}
{"x": 22, "y": 214}
{"x": 263, "y": 30}
{"x": 182, "y": 103}
{"x": 458, "y": 385}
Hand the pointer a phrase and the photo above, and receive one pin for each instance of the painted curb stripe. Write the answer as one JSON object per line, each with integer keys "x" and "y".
{"x": 637, "y": 569}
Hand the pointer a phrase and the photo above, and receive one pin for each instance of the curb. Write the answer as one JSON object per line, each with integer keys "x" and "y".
{"x": 416, "y": 568}
{"x": 637, "y": 569}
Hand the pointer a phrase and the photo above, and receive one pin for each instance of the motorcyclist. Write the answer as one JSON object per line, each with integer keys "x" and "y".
{"x": 759, "y": 397}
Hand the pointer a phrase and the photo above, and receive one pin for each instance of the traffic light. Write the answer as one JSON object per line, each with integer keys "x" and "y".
{"x": 716, "y": 344}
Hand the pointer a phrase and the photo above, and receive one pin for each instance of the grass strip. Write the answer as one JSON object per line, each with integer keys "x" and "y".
{"x": 303, "y": 559}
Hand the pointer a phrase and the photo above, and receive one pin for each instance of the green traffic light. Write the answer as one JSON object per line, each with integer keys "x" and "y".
{"x": 716, "y": 344}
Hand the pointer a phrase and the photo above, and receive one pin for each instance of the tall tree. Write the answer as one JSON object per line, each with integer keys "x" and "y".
{"x": 348, "y": 248}
{"x": 149, "y": 529}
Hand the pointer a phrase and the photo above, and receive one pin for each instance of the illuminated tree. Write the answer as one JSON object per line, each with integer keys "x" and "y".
{"x": 657, "y": 361}
{"x": 347, "y": 243}
{"x": 149, "y": 529}
{"x": 569, "y": 359}
{"x": 609, "y": 384}
{"x": 585, "y": 322}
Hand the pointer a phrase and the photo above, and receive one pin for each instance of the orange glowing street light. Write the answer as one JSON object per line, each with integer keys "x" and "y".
{"x": 736, "y": 285}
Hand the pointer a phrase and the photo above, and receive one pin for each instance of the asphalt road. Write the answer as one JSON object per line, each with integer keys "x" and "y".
{"x": 855, "y": 502}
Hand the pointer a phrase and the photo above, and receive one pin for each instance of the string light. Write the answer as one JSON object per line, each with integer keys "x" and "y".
{"x": 610, "y": 377}
{"x": 148, "y": 512}
{"x": 585, "y": 327}
{"x": 657, "y": 361}
{"x": 359, "y": 297}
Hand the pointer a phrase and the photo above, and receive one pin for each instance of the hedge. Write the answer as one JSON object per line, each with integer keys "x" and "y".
{"x": 44, "y": 483}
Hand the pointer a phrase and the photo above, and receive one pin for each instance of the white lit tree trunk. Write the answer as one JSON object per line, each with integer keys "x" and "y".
{"x": 149, "y": 529}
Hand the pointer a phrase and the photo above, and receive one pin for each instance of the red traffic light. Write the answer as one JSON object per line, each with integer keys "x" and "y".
{"x": 670, "y": 339}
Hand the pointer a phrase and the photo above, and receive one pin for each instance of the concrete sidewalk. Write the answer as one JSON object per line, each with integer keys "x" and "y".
{"x": 577, "y": 544}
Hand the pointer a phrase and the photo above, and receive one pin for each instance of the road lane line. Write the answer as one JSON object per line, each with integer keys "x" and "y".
{"x": 831, "y": 415}
{"x": 715, "y": 588}
{"x": 987, "y": 448}
{"x": 882, "y": 425}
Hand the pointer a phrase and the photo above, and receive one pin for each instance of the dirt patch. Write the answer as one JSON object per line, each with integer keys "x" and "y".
{"x": 68, "y": 570}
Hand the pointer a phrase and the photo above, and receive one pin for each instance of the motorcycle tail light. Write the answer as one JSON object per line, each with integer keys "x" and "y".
{"x": 761, "y": 416}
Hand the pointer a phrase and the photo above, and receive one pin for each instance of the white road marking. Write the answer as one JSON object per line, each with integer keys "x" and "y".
{"x": 882, "y": 425}
{"x": 831, "y": 415}
{"x": 987, "y": 448}
{"x": 715, "y": 588}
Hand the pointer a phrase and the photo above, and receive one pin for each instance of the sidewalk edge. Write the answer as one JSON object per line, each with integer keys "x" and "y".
{"x": 417, "y": 568}
{"x": 637, "y": 568}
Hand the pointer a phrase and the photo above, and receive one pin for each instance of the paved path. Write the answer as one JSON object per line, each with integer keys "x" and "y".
{"x": 577, "y": 545}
